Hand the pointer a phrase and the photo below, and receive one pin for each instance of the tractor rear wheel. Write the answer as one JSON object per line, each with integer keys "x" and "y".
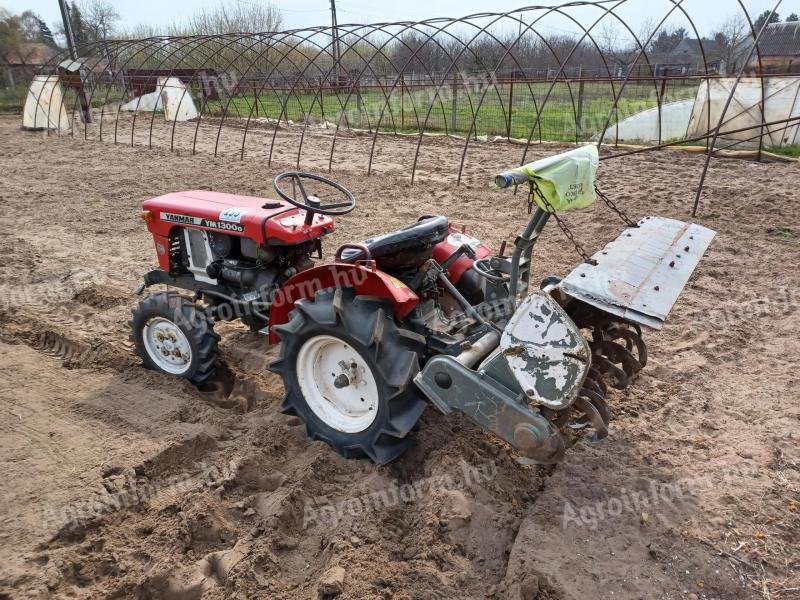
{"x": 173, "y": 335}
{"x": 347, "y": 369}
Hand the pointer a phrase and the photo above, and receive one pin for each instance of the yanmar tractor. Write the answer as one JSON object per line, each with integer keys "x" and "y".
{"x": 427, "y": 312}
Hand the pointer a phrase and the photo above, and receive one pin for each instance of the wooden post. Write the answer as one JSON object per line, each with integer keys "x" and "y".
{"x": 359, "y": 105}
{"x": 322, "y": 101}
{"x": 579, "y": 110}
{"x": 661, "y": 100}
{"x": 510, "y": 106}
{"x": 255, "y": 89}
{"x": 454, "y": 108}
{"x": 402, "y": 102}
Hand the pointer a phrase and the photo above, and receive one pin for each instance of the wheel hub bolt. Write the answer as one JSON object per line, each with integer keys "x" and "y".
{"x": 341, "y": 381}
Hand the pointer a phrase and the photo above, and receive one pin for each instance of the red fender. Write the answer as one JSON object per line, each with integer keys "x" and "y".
{"x": 363, "y": 277}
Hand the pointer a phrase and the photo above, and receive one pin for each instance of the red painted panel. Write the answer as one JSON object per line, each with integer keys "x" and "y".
{"x": 364, "y": 280}
{"x": 457, "y": 238}
{"x": 259, "y": 219}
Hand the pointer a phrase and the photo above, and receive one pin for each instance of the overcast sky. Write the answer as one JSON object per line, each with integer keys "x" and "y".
{"x": 301, "y": 13}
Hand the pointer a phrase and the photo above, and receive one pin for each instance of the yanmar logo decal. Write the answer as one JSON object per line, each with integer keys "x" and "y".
{"x": 200, "y": 222}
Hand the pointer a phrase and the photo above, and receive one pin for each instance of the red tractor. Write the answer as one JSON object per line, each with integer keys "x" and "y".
{"x": 423, "y": 313}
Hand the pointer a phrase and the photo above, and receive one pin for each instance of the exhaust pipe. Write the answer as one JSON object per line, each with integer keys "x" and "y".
{"x": 479, "y": 350}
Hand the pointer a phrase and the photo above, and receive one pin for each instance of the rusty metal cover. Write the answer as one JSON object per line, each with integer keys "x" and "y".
{"x": 546, "y": 352}
{"x": 640, "y": 275}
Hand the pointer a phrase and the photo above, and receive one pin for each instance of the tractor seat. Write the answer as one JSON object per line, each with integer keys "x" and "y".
{"x": 405, "y": 248}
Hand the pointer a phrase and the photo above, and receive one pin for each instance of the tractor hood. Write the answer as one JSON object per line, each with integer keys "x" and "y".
{"x": 261, "y": 219}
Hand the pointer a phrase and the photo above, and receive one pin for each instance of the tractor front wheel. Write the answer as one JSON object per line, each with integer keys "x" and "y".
{"x": 347, "y": 369}
{"x": 173, "y": 335}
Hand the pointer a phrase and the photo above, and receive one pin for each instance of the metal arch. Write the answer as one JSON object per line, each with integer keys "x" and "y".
{"x": 150, "y": 42}
{"x": 185, "y": 47}
{"x": 317, "y": 95}
{"x": 387, "y": 97}
{"x": 496, "y": 17}
{"x": 705, "y": 66}
{"x": 760, "y": 69}
{"x": 47, "y": 66}
{"x": 475, "y": 112}
{"x": 122, "y": 47}
{"x": 261, "y": 37}
{"x": 587, "y": 32}
{"x": 82, "y": 63}
{"x": 562, "y": 64}
{"x": 414, "y": 55}
{"x": 242, "y": 73}
{"x": 201, "y": 45}
{"x": 730, "y": 98}
{"x": 283, "y": 57}
{"x": 403, "y": 28}
{"x": 379, "y": 55}
{"x": 509, "y": 53}
{"x": 642, "y": 53}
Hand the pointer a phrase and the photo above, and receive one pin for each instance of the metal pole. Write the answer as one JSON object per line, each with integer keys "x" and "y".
{"x": 510, "y": 107}
{"x": 402, "y": 102}
{"x": 661, "y": 101}
{"x": 337, "y": 57}
{"x": 579, "y": 110}
{"x": 62, "y": 4}
{"x": 454, "y": 107}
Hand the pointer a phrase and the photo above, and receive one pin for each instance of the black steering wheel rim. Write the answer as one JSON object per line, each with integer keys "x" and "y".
{"x": 334, "y": 210}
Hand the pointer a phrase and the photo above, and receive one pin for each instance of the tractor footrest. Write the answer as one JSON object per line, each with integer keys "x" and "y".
{"x": 640, "y": 275}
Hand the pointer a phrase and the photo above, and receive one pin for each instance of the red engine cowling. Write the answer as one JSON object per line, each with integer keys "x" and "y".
{"x": 469, "y": 283}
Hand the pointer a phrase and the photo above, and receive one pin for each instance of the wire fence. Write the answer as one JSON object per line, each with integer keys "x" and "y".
{"x": 547, "y": 110}
{"x": 476, "y": 77}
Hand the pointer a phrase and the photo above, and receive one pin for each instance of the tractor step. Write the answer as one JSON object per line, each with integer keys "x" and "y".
{"x": 640, "y": 275}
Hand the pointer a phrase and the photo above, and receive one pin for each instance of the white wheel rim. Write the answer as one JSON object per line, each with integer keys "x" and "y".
{"x": 337, "y": 383}
{"x": 167, "y": 346}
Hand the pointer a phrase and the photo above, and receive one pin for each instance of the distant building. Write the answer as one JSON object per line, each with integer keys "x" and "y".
{"x": 21, "y": 64}
{"x": 689, "y": 57}
{"x": 779, "y": 47}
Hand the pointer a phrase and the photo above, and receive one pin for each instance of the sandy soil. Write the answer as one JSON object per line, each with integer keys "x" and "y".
{"x": 121, "y": 483}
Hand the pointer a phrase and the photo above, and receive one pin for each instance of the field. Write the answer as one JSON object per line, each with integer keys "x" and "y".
{"x": 122, "y": 483}
{"x": 497, "y": 109}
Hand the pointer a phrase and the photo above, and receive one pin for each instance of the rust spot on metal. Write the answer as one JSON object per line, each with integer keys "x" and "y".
{"x": 514, "y": 351}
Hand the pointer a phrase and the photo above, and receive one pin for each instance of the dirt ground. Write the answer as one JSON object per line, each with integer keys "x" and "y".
{"x": 122, "y": 483}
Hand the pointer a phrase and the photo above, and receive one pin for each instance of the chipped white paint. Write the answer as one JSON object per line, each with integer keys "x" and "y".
{"x": 546, "y": 352}
{"x": 44, "y": 105}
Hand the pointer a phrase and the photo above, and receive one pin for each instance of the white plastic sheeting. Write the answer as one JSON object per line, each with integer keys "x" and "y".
{"x": 644, "y": 126}
{"x": 171, "y": 96}
{"x": 144, "y": 103}
{"x": 44, "y": 105}
{"x": 781, "y": 101}
{"x": 686, "y": 119}
{"x": 176, "y": 99}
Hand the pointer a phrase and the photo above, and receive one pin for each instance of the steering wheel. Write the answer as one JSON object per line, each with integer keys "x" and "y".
{"x": 313, "y": 204}
{"x": 483, "y": 267}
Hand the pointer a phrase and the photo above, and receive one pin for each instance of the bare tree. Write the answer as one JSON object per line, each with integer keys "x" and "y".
{"x": 234, "y": 17}
{"x": 100, "y": 19}
{"x": 730, "y": 42}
